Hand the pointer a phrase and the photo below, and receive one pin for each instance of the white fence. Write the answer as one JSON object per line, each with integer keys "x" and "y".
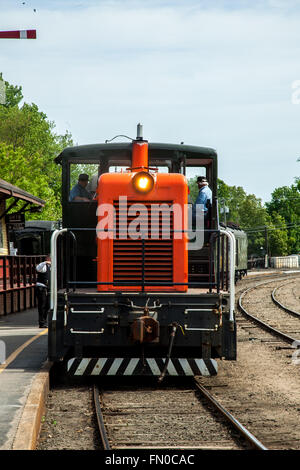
{"x": 285, "y": 262}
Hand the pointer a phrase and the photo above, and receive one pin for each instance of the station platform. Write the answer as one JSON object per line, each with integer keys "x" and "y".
{"x": 25, "y": 353}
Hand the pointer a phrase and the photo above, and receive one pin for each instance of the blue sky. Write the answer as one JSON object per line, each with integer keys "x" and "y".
{"x": 211, "y": 73}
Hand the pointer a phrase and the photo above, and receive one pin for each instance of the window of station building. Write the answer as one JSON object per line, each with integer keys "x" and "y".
{"x": 90, "y": 169}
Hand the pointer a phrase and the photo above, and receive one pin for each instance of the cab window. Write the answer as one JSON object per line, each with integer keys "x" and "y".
{"x": 192, "y": 173}
{"x": 83, "y": 189}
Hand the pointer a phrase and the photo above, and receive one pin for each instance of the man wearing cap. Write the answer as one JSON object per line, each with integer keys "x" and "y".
{"x": 204, "y": 196}
{"x": 79, "y": 192}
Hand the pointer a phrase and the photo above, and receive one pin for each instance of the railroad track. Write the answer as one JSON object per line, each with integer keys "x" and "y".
{"x": 280, "y": 305}
{"x": 138, "y": 424}
{"x": 100, "y": 420}
{"x": 124, "y": 427}
{"x": 271, "y": 313}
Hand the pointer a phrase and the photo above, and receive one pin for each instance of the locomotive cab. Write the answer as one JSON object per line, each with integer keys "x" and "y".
{"x": 134, "y": 292}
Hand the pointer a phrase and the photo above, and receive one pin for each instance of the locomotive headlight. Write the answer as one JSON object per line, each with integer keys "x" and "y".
{"x": 143, "y": 182}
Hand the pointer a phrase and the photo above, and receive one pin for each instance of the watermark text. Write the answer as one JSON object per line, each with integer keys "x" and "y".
{"x": 155, "y": 221}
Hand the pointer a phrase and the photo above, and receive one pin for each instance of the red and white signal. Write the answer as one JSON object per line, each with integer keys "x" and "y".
{"x": 19, "y": 34}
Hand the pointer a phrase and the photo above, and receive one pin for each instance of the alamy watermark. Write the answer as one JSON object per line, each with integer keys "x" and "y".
{"x": 2, "y": 352}
{"x": 296, "y": 354}
{"x": 2, "y": 92}
{"x": 159, "y": 221}
{"x": 296, "y": 93}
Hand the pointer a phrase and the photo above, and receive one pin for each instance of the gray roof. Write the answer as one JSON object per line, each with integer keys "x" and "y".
{"x": 123, "y": 150}
{"x": 8, "y": 190}
{"x": 41, "y": 224}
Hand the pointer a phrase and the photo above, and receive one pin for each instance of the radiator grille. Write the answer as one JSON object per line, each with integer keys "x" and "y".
{"x": 128, "y": 254}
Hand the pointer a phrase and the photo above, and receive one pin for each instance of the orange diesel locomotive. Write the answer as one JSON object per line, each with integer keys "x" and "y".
{"x": 142, "y": 223}
{"x": 132, "y": 293}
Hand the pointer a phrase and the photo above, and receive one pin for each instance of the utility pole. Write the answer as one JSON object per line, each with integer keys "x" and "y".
{"x": 267, "y": 247}
{"x": 224, "y": 209}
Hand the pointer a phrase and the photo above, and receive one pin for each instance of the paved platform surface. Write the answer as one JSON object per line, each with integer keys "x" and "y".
{"x": 21, "y": 366}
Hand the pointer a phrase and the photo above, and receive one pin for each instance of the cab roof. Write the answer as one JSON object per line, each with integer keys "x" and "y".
{"x": 160, "y": 151}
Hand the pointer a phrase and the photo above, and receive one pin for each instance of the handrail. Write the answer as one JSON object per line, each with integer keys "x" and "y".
{"x": 12, "y": 266}
{"x": 53, "y": 284}
{"x": 231, "y": 238}
{"x": 53, "y": 294}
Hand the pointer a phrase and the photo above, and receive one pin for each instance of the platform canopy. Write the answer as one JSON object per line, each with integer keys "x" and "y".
{"x": 7, "y": 191}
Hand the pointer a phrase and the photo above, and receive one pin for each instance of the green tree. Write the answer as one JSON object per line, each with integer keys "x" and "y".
{"x": 28, "y": 177}
{"x": 231, "y": 197}
{"x": 278, "y": 236}
{"x": 285, "y": 202}
{"x": 193, "y": 188}
{"x": 13, "y": 94}
{"x": 27, "y": 136}
{"x": 265, "y": 230}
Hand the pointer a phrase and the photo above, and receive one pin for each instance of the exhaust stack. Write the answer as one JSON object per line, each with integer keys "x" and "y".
{"x": 139, "y": 160}
{"x": 139, "y": 132}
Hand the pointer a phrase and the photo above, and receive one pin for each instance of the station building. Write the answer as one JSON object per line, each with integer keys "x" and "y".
{"x": 17, "y": 272}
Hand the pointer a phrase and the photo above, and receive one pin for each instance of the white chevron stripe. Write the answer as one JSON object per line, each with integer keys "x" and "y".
{"x": 171, "y": 369}
{"x": 215, "y": 365}
{"x": 153, "y": 366}
{"x": 131, "y": 366}
{"x": 186, "y": 367}
{"x": 70, "y": 362}
{"x": 202, "y": 367}
{"x": 99, "y": 366}
{"x": 115, "y": 366}
{"x": 134, "y": 362}
{"x": 23, "y": 34}
{"x": 82, "y": 366}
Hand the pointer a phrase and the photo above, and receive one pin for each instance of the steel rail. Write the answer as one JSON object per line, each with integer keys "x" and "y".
{"x": 101, "y": 425}
{"x": 264, "y": 325}
{"x": 234, "y": 422}
{"x": 280, "y": 305}
{"x": 242, "y": 430}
